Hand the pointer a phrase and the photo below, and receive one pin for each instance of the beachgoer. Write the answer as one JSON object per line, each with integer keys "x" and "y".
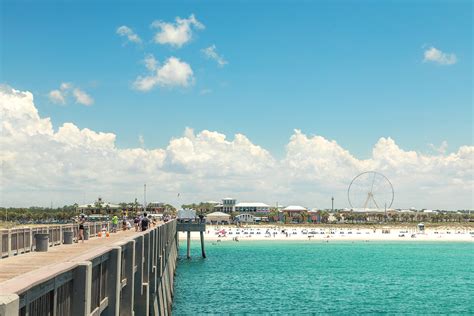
{"x": 114, "y": 223}
{"x": 144, "y": 222}
{"x": 136, "y": 221}
{"x": 82, "y": 221}
{"x": 124, "y": 224}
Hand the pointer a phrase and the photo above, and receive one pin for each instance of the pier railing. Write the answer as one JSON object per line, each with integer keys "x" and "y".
{"x": 21, "y": 240}
{"x": 133, "y": 276}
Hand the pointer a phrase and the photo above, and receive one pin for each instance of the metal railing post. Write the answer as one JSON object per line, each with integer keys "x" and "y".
{"x": 10, "y": 252}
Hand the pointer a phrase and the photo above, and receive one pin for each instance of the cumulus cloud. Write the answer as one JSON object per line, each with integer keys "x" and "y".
{"x": 441, "y": 149}
{"x": 176, "y": 34}
{"x": 150, "y": 62}
{"x": 127, "y": 32}
{"x": 205, "y": 91}
{"x": 82, "y": 97}
{"x": 434, "y": 55}
{"x": 40, "y": 164}
{"x": 173, "y": 73}
{"x": 59, "y": 96}
{"x": 211, "y": 53}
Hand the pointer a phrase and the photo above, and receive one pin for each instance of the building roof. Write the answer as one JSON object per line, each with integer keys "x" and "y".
{"x": 212, "y": 202}
{"x": 368, "y": 210}
{"x": 103, "y": 205}
{"x": 251, "y": 204}
{"x": 217, "y": 214}
{"x": 294, "y": 208}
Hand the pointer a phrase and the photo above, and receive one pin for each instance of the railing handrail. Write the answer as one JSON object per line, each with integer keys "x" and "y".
{"x": 20, "y": 240}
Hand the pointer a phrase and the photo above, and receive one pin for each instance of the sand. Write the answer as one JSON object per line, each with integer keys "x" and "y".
{"x": 273, "y": 233}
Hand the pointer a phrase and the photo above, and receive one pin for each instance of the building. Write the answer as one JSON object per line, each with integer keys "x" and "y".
{"x": 228, "y": 205}
{"x": 294, "y": 214}
{"x": 295, "y": 209}
{"x": 218, "y": 218}
{"x": 254, "y": 207}
{"x": 156, "y": 207}
{"x": 245, "y": 218}
{"x": 98, "y": 207}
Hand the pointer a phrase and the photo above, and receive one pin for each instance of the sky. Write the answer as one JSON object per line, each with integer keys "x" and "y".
{"x": 264, "y": 101}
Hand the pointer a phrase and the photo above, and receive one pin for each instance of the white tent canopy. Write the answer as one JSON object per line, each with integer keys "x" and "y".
{"x": 294, "y": 208}
{"x": 218, "y": 217}
{"x": 102, "y": 205}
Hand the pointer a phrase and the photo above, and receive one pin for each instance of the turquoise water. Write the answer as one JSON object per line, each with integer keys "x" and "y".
{"x": 336, "y": 278}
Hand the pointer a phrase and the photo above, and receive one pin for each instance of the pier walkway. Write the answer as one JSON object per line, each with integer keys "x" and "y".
{"x": 124, "y": 274}
{"x": 14, "y": 266}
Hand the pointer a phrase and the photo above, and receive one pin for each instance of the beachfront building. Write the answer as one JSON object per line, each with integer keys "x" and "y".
{"x": 254, "y": 207}
{"x": 156, "y": 207}
{"x": 314, "y": 216}
{"x": 227, "y": 206}
{"x": 245, "y": 218}
{"x": 216, "y": 218}
{"x": 294, "y": 214}
{"x": 98, "y": 207}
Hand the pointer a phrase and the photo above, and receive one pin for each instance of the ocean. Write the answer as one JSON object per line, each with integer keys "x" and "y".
{"x": 255, "y": 277}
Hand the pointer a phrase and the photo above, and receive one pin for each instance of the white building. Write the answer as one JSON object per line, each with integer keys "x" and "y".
{"x": 228, "y": 205}
{"x": 254, "y": 207}
{"x": 245, "y": 218}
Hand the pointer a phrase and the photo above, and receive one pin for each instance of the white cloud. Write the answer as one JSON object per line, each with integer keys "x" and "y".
{"x": 57, "y": 96}
{"x": 205, "y": 91}
{"x": 150, "y": 62}
{"x": 434, "y": 55}
{"x": 441, "y": 149}
{"x": 40, "y": 164}
{"x": 211, "y": 53}
{"x": 65, "y": 86}
{"x": 173, "y": 73}
{"x": 82, "y": 97}
{"x": 127, "y": 32}
{"x": 176, "y": 34}
{"x": 60, "y": 96}
{"x": 141, "y": 141}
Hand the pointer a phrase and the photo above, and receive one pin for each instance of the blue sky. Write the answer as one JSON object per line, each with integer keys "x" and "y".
{"x": 348, "y": 71}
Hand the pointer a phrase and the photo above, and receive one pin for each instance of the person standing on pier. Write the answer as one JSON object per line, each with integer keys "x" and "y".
{"x": 144, "y": 222}
{"x": 82, "y": 221}
{"x": 114, "y": 223}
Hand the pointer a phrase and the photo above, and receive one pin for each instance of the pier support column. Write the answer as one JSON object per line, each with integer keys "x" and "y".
{"x": 188, "y": 249}
{"x": 203, "y": 251}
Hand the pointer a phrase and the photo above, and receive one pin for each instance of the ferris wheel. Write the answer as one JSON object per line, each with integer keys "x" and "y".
{"x": 370, "y": 190}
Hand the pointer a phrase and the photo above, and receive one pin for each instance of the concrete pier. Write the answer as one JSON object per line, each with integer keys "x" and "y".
{"x": 128, "y": 273}
{"x": 189, "y": 227}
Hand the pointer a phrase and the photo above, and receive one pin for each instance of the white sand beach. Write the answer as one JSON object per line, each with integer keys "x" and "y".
{"x": 289, "y": 233}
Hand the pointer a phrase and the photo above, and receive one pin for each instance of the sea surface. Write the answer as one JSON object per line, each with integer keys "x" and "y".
{"x": 343, "y": 278}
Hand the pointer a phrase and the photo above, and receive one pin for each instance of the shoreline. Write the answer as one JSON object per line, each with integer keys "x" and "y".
{"x": 272, "y": 233}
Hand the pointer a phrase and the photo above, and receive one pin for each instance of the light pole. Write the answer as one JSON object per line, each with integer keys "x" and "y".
{"x": 144, "y": 198}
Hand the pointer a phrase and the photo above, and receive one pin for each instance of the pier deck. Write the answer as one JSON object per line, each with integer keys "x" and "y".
{"x": 24, "y": 263}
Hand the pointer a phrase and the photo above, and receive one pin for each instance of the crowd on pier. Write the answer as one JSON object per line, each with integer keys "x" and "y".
{"x": 139, "y": 222}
